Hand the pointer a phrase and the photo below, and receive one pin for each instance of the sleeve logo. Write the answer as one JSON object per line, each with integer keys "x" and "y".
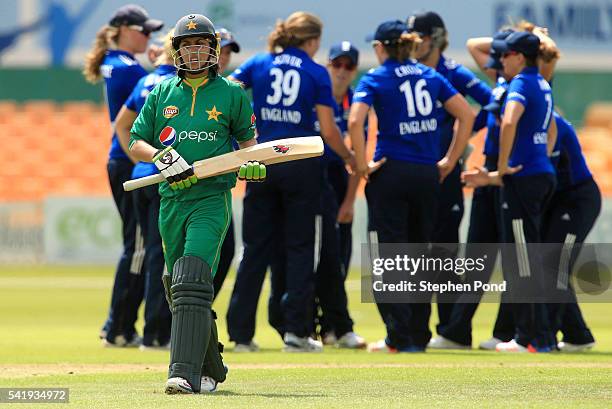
{"x": 170, "y": 111}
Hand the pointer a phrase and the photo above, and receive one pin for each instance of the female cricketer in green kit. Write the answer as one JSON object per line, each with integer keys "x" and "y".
{"x": 190, "y": 117}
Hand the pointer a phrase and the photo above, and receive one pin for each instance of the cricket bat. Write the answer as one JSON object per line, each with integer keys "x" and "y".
{"x": 268, "y": 153}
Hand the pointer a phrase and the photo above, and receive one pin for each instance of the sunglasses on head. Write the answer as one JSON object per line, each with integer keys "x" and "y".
{"x": 347, "y": 66}
{"x": 143, "y": 30}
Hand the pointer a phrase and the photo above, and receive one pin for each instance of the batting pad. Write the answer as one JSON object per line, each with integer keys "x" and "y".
{"x": 192, "y": 294}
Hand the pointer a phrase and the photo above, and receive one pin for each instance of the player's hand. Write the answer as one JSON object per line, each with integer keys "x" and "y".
{"x": 482, "y": 177}
{"x": 346, "y": 212}
{"x": 444, "y": 168}
{"x": 373, "y": 166}
{"x": 252, "y": 171}
{"x": 174, "y": 168}
{"x": 351, "y": 162}
{"x": 476, "y": 177}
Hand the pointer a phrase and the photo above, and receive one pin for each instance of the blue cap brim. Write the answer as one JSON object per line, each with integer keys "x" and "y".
{"x": 370, "y": 37}
{"x": 347, "y": 54}
{"x": 500, "y": 46}
{"x": 234, "y": 44}
{"x": 493, "y": 63}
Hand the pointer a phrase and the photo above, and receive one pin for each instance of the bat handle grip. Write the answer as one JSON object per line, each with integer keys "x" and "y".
{"x": 142, "y": 182}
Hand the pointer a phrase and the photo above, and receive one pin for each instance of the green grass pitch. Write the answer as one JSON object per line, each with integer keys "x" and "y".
{"x": 50, "y": 318}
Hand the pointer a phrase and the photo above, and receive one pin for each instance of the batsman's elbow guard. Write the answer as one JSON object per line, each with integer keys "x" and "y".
{"x": 252, "y": 171}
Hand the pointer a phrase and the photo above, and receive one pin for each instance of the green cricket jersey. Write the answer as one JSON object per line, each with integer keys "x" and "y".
{"x": 199, "y": 123}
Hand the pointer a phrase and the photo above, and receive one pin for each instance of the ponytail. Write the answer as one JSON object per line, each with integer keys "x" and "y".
{"x": 298, "y": 28}
{"x": 548, "y": 52}
{"x": 106, "y": 38}
{"x": 403, "y": 48}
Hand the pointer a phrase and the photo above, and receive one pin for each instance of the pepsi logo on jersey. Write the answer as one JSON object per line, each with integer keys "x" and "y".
{"x": 167, "y": 136}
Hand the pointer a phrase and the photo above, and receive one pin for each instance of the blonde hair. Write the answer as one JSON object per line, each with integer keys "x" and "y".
{"x": 106, "y": 38}
{"x": 298, "y": 28}
{"x": 404, "y": 47}
{"x": 168, "y": 54}
{"x": 547, "y": 51}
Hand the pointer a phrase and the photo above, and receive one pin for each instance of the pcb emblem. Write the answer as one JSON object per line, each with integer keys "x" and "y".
{"x": 281, "y": 149}
{"x": 170, "y": 111}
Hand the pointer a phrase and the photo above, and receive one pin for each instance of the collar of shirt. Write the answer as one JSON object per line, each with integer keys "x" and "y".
{"x": 120, "y": 52}
{"x": 441, "y": 67}
{"x": 530, "y": 70}
{"x": 165, "y": 69}
{"x": 392, "y": 62}
{"x": 298, "y": 52}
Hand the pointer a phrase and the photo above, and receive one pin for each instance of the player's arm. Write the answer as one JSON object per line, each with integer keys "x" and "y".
{"x": 246, "y": 144}
{"x": 458, "y": 107}
{"x": 552, "y": 136}
{"x": 331, "y": 134}
{"x": 512, "y": 114}
{"x": 123, "y": 123}
{"x": 178, "y": 173}
{"x": 479, "y": 48}
{"x": 242, "y": 126}
{"x": 356, "y": 122}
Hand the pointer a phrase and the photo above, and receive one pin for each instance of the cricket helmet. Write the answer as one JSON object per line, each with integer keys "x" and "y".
{"x": 200, "y": 57}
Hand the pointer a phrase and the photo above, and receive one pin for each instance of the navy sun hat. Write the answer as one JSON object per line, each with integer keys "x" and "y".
{"x": 388, "y": 32}
{"x": 494, "y": 61}
{"x": 227, "y": 38}
{"x": 344, "y": 49}
{"x": 521, "y": 42}
{"x": 133, "y": 15}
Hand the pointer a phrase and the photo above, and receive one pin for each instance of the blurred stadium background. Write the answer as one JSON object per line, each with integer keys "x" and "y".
{"x": 55, "y": 204}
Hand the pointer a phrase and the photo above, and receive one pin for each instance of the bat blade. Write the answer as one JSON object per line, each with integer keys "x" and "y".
{"x": 269, "y": 153}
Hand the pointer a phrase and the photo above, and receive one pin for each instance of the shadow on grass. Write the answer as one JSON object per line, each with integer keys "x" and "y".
{"x": 272, "y": 395}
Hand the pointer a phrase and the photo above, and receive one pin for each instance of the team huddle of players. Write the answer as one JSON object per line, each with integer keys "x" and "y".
{"x": 533, "y": 187}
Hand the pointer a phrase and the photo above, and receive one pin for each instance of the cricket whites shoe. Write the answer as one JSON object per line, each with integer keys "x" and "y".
{"x": 490, "y": 344}
{"x": 441, "y": 342}
{"x": 380, "y": 346}
{"x": 293, "y": 343}
{"x": 208, "y": 384}
{"x": 569, "y": 347}
{"x": 329, "y": 338}
{"x": 350, "y": 340}
{"x": 178, "y": 385}
{"x": 121, "y": 342}
{"x": 250, "y": 347}
{"x": 513, "y": 346}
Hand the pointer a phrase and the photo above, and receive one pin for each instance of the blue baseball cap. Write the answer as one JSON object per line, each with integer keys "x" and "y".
{"x": 389, "y": 32}
{"x": 494, "y": 61}
{"x": 133, "y": 15}
{"x": 520, "y": 41}
{"x": 344, "y": 49}
{"x": 425, "y": 23}
{"x": 227, "y": 38}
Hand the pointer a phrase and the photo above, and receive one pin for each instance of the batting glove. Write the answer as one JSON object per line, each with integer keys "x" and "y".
{"x": 173, "y": 167}
{"x": 252, "y": 171}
